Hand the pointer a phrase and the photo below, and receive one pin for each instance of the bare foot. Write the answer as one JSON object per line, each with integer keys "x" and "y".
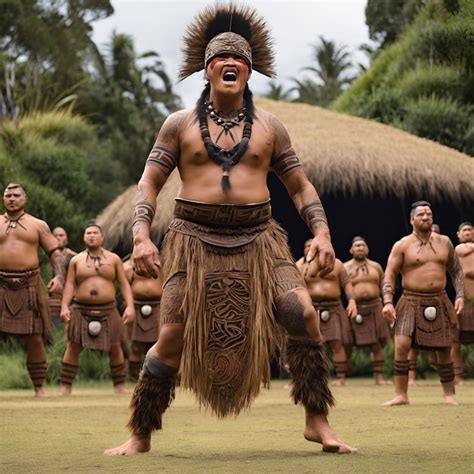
{"x": 383, "y": 382}
{"x": 287, "y": 386}
{"x": 65, "y": 390}
{"x": 326, "y": 436}
{"x": 41, "y": 393}
{"x": 134, "y": 445}
{"x": 398, "y": 400}
{"x": 449, "y": 400}
{"x": 339, "y": 383}
{"x": 120, "y": 388}
{"x": 412, "y": 383}
{"x": 460, "y": 381}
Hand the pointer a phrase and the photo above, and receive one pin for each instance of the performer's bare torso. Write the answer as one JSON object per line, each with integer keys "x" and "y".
{"x": 201, "y": 177}
{"x": 465, "y": 252}
{"x": 424, "y": 265}
{"x": 19, "y": 244}
{"x": 95, "y": 283}
{"x": 321, "y": 289}
{"x": 143, "y": 288}
{"x": 366, "y": 278}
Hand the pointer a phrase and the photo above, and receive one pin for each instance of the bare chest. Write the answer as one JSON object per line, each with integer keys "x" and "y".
{"x": 14, "y": 233}
{"x": 417, "y": 255}
{"x": 87, "y": 268}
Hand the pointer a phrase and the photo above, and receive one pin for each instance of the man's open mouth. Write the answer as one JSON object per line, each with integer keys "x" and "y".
{"x": 229, "y": 76}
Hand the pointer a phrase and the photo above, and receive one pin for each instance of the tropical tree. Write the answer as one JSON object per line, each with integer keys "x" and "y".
{"x": 277, "y": 92}
{"x": 128, "y": 96}
{"x": 330, "y": 68}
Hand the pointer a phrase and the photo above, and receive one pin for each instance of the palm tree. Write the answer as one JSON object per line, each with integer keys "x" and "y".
{"x": 276, "y": 92}
{"x": 331, "y": 63}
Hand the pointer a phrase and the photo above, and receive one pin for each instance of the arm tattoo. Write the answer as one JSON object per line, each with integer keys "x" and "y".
{"x": 344, "y": 278}
{"x": 144, "y": 212}
{"x": 162, "y": 157}
{"x": 456, "y": 273}
{"x": 58, "y": 263}
{"x": 313, "y": 215}
{"x": 285, "y": 163}
{"x": 387, "y": 292}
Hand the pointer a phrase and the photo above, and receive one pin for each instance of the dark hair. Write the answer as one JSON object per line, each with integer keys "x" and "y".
{"x": 418, "y": 204}
{"x": 358, "y": 237}
{"x": 93, "y": 223}
{"x": 464, "y": 224}
{"x": 14, "y": 186}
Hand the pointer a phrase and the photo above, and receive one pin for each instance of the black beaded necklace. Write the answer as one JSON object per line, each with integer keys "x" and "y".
{"x": 227, "y": 157}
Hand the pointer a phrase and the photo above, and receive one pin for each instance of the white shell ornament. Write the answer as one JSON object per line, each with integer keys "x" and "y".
{"x": 94, "y": 328}
{"x": 430, "y": 313}
{"x": 146, "y": 310}
{"x": 325, "y": 315}
{"x": 359, "y": 319}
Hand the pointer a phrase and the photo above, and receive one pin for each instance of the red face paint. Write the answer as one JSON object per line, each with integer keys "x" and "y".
{"x": 214, "y": 62}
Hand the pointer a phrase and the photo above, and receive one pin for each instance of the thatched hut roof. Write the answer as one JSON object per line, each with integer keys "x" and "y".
{"x": 342, "y": 155}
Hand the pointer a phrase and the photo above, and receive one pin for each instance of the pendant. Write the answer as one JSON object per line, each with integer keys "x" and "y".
{"x": 13, "y": 224}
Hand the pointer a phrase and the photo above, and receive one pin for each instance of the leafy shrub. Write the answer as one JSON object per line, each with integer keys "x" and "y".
{"x": 441, "y": 119}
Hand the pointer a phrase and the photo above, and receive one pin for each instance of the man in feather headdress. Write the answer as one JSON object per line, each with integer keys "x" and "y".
{"x": 230, "y": 281}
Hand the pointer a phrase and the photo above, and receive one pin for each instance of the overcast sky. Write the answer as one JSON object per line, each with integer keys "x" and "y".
{"x": 159, "y": 25}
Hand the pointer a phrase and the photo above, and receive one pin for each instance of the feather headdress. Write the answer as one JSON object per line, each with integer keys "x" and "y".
{"x": 228, "y": 28}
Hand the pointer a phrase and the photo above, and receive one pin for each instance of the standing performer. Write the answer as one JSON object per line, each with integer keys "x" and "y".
{"x": 23, "y": 305}
{"x": 54, "y": 300}
{"x": 465, "y": 333}
{"x": 94, "y": 322}
{"x": 144, "y": 331}
{"x": 326, "y": 295}
{"x": 368, "y": 325}
{"x": 424, "y": 315}
{"x": 229, "y": 276}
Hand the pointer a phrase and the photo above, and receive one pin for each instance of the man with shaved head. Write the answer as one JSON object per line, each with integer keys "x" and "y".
{"x": 424, "y": 316}
{"x": 23, "y": 306}
{"x": 54, "y": 300}
{"x": 369, "y": 327}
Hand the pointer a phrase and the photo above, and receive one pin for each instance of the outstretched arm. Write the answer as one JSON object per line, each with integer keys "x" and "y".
{"x": 287, "y": 167}
{"x": 126, "y": 290}
{"x": 161, "y": 161}
{"x": 457, "y": 277}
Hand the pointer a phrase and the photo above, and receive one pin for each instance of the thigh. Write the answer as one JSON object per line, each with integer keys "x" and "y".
{"x": 172, "y": 299}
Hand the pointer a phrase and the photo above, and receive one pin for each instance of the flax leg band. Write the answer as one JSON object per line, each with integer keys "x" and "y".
{"x": 308, "y": 367}
{"x": 377, "y": 366}
{"x": 118, "y": 373}
{"x": 153, "y": 394}
{"x": 401, "y": 368}
{"x": 68, "y": 373}
{"x": 412, "y": 365}
{"x": 446, "y": 372}
{"x": 340, "y": 369}
{"x": 37, "y": 371}
{"x": 134, "y": 369}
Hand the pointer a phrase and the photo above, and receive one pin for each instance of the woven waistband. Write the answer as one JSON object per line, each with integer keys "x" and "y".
{"x": 223, "y": 215}
{"x": 416, "y": 294}
{"x": 151, "y": 302}
{"x": 17, "y": 273}
{"x": 93, "y": 306}
{"x": 371, "y": 302}
{"x": 327, "y": 303}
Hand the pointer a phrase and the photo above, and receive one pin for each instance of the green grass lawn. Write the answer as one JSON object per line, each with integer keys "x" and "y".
{"x": 69, "y": 434}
